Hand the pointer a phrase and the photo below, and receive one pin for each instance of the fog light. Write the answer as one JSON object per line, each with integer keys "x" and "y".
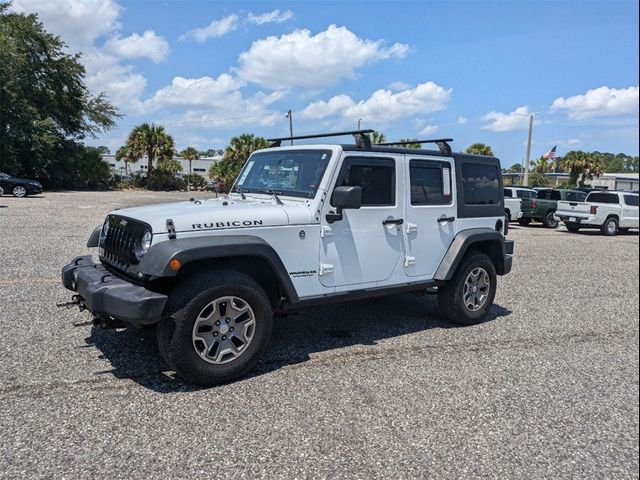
{"x": 175, "y": 264}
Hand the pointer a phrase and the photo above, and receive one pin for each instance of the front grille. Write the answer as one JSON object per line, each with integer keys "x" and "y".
{"x": 118, "y": 247}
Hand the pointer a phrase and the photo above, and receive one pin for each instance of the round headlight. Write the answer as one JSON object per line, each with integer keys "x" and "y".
{"x": 143, "y": 246}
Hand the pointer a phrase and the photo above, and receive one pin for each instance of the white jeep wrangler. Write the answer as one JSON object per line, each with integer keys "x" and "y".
{"x": 304, "y": 225}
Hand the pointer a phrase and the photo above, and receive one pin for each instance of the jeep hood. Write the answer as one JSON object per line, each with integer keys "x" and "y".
{"x": 219, "y": 214}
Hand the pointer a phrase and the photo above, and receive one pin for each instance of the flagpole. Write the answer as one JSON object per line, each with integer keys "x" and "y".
{"x": 528, "y": 158}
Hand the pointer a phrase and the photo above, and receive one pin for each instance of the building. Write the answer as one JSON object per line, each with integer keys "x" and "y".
{"x": 200, "y": 166}
{"x": 608, "y": 181}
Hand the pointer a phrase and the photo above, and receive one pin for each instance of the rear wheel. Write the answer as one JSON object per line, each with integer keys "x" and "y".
{"x": 572, "y": 227}
{"x": 220, "y": 331}
{"x": 610, "y": 227}
{"x": 468, "y": 296}
{"x": 550, "y": 220}
{"x": 524, "y": 222}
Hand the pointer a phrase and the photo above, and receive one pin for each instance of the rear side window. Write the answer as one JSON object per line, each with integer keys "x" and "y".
{"x": 376, "y": 177}
{"x": 430, "y": 182}
{"x": 480, "y": 184}
{"x": 631, "y": 200}
{"x": 603, "y": 198}
{"x": 549, "y": 195}
{"x": 508, "y": 193}
{"x": 576, "y": 196}
{"x": 526, "y": 194}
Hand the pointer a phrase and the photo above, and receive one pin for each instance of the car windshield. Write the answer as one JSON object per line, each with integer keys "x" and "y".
{"x": 295, "y": 173}
{"x": 4, "y": 175}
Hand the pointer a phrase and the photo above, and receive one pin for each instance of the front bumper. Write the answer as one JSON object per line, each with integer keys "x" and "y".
{"x": 107, "y": 295}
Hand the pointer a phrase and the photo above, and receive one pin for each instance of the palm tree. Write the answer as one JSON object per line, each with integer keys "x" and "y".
{"x": 542, "y": 165}
{"x": 124, "y": 154}
{"x": 241, "y": 147}
{"x": 480, "y": 149}
{"x": 582, "y": 166}
{"x": 376, "y": 137}
{"x": 150, "y": 140}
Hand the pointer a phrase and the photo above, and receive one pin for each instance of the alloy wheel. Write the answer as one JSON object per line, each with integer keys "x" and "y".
{"x": 476, "y": 289}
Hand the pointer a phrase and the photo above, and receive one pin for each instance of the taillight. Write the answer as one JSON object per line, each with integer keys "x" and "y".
{"x": 594, "y": 209}
{"x": 534, "y": 204}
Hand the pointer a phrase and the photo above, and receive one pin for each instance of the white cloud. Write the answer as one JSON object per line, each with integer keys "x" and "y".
{"x": 462, "y": 120}
{"x": 121, "y": 83}
{"x": 599, "y": 102}
{"x": 302, "y": 59}
{"x": 216, "y": 29}
{"x": 506, "y": 122}
{"x": 78, "y": 22}
{"x": 573, "y": 142}
{"x": 429, "y": 130}
{"x": 148, "y": 45}
{"x": 383, "y": 106}
{"x": 275, "y": 16}
{"x": 397, "y": 86}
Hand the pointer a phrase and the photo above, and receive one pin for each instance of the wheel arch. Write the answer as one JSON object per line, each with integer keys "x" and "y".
{"x": 483, "y": 240}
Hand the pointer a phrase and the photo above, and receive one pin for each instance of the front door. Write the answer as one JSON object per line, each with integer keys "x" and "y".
{"x": 431, "y": 213}
{"x": 630, "y": 212}
{"x": 366, "y": 245}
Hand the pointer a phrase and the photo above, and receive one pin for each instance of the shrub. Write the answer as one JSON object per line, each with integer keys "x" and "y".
{"x": 196, "y": 181}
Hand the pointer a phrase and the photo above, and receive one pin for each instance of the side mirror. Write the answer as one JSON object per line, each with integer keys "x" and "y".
{"x": 344, "y": 197}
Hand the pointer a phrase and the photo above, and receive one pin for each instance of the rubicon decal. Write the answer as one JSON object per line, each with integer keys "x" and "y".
{"x": 233, "y": 223}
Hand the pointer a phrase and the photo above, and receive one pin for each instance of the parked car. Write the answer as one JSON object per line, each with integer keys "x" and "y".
{"x": 520, "y": 192}
{"x": 19, "y": 187}
{"x": 346, "y": 222}
{"x": 214, "y": 186}
{"x": 1, "y": 192}
{"x": 512, "y": 209}
{"x": 611, "y": 212}
{"x": 543, "y": 207}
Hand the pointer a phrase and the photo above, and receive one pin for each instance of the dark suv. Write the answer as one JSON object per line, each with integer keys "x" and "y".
{"x": 19, "y": 187}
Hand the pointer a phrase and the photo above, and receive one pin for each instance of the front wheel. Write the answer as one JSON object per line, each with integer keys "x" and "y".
{"x": 610, "y": 227}
{"x": 19, "y": 191}
{"x": 468, "y": 296}
{"x": 221, "y": 331}
{"x": 550, "y": 220}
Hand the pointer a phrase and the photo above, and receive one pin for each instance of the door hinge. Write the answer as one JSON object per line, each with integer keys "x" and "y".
{"x": 325, "y": 268}
{"x": 411, "y": 227}
{"x": 325, "y": 231}
{"x": 408, "y": 261}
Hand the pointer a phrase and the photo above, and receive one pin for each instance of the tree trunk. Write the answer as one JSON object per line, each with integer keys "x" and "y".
{"x": 149, "y": 163}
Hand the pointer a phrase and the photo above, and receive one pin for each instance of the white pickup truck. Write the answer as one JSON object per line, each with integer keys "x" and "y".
{"x": 512, "y": 208}
{"x": 611, "y": 212}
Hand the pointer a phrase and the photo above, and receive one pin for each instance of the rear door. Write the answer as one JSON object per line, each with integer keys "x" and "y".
{"x": 630, "y": 211}
{"x": 431, "y": 215}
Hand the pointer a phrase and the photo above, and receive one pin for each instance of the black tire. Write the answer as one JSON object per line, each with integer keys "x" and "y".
{"x": 611, "y": 227}
{"x": 164, "y": 333}
{"x": 524, "y": 222}
{"x": 188, "y": 301}
{"x": 572, "y": 227}
{"x": 507, "y": 219}
{"x": 550, "y": 220}
{"x": 451, "y": 294}
{"x": 19, "y": 191}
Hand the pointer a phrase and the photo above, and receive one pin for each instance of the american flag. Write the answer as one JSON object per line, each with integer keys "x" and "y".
{"x": 551, "y": 154}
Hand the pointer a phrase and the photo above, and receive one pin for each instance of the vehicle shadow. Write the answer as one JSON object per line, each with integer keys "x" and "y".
{"x": 133, "y": 353}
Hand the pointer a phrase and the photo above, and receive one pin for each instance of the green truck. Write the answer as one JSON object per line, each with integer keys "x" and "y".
{"x": 543, "y": 207}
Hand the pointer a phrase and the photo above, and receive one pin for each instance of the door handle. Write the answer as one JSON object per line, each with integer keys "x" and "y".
{"x": 398, "y": 221}
{"x": 444, "y": 219}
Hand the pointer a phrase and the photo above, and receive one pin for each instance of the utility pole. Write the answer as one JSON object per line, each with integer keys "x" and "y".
{"x": 290, "y": 117}
{"x": 359, "y": 122}
{"x": 527, "y": 160}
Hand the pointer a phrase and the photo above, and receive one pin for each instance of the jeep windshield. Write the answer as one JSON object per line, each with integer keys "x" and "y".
{"x": 294, "y": 173}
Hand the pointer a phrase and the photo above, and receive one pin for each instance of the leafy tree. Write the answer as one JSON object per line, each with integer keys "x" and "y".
{"x": 211, "y": 152}
{"x": 376, "y": 137}
{"x": 45, "y": 107}
{"x": 414, "y": 143}
{"x": 542, "y": 165}
{"x": 582, "y": 166}
{"x": 538, "y": 180}
{"x": 190, "y": 153}
{"x": 224, "y": 171}
{"x": 479, "y": 149}
{"x": 151, "y": 140}
{"x": 169, "y": 165}
{"x": 515, "y": 168}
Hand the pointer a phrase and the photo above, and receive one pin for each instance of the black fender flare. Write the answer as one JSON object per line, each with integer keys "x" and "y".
{"x": 461, "y": 244}
{"x": 94, "y": 238}
{"x": 155, "y": 263}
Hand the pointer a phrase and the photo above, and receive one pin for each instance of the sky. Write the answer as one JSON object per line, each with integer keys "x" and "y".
{"x": 472, "y": 71}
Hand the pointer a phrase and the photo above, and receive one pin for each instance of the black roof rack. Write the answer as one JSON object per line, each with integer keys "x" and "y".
{"x": 442, "y": 144}
{"x": 362, "y": 140}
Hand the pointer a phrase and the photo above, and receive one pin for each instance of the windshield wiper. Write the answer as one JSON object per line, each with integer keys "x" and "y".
{"x": 273, "y": 194}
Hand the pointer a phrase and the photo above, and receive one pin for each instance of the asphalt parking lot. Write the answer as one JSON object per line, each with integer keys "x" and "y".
{"x": 547, "y": 387}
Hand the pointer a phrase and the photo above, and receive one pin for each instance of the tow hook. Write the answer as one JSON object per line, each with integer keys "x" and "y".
{"x": 75, "y": 300}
